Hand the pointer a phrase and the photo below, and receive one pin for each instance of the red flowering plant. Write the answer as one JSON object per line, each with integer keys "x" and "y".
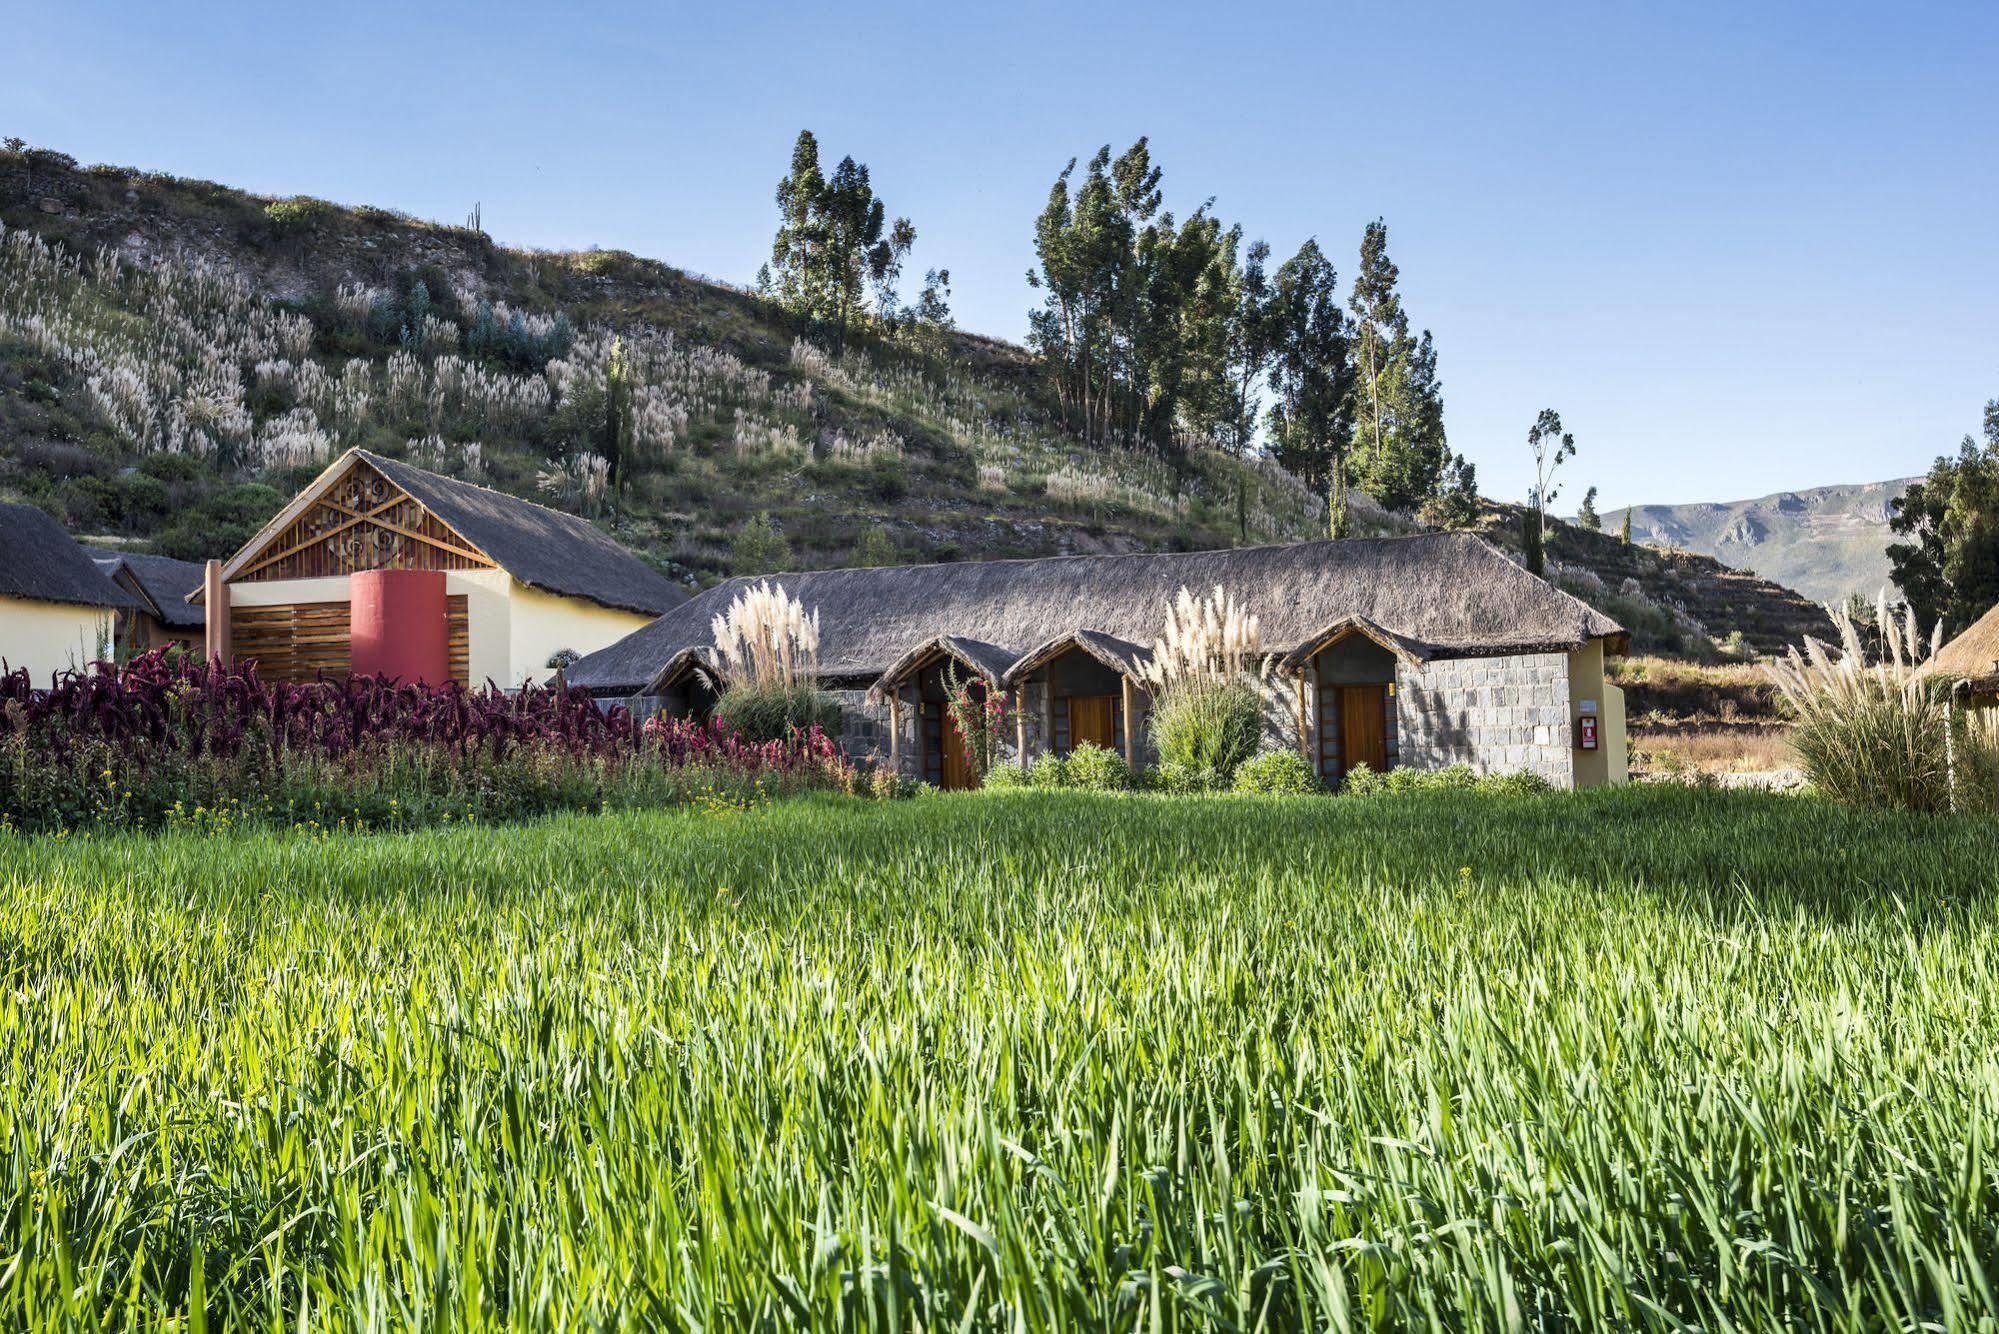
{"x": 159, "y": 736}
{"x": 979, "y": 714}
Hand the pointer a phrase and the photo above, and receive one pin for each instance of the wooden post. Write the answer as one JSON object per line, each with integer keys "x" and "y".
{"x": 215, "y": 610}
{"x": 1048, "y": 712}
{"x": 1130, "y": 723}
{"x": 1020, "y": 724}
{"x": 895, "y": 729}
{"x": 1304, "y": 738}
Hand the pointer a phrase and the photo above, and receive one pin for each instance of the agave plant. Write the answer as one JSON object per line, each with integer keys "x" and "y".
{"x": 1879, "y": 732}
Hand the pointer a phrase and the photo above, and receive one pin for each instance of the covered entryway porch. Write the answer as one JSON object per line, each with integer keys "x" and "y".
{"x": 1346, "y": 688}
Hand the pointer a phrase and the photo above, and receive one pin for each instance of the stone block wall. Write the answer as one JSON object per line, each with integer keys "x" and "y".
{"x": 1499, "y": 715}
{"x": 864, "y": 727}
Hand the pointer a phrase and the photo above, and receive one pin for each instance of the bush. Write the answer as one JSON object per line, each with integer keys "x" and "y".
{"x": 1879, "y": 733}
{"x": 1365, "y": 782}
{"x": 1211, "y": 726}
{"x": 300, "y": 213}
{"x": 1185, "y": 780}
{"x": 1095, "y": 768}
{"x": 885, "y": 784}
{"x": 759, "y": 547}
{"x": 1361, "y": 781}
{"x": 1048, "y": 770}
{"x": 1521, "y": 784}
{"x": 1005, "y": 777}
{"x": 1278, "y": 773}
{"x": 167, "y": 740}
{"x": 772, "y": 713}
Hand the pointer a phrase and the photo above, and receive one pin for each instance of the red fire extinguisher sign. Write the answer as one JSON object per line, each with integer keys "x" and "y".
{"x": 1587, "y": 732}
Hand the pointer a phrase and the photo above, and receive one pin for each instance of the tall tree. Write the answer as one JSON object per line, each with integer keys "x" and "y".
{"x": 1550, "y": 445}
{"x": 833, "y": 242}
{"x": 1950, "y": 570}
{"x": 1310, "y": 424}
{"x": 1380, "y": 340}
{"x": 1401, "y": 453}
{"x": 1586, "y": 515}
{"x": 1251, "y": 340}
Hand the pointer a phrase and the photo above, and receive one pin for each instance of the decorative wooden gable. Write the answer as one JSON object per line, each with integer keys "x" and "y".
{"x": 362, "y": 521}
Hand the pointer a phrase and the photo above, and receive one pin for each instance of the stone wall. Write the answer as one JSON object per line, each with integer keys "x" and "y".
{"x": 864, "y": 727}
{"x": 1499, "y": 715}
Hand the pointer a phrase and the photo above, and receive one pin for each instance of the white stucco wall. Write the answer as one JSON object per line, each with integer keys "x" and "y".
{"x": 50, "y": 637}
{"x": 541, "y": 623}
{"x": 510, "y": 629}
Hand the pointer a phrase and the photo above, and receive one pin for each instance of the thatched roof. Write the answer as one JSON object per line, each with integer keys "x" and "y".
{"x": 1120, "y": 655}
{"x": 541, "y": 547}
{"x": 1443, "y": 594}
{"x": 1972, "y": 658}
{"x": 538, "y": 546}
{"x": 163, "y": 584}
{"x": 39, "y": 562}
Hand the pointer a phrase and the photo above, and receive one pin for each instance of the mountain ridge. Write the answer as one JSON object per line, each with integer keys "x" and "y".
{"x": 1827, "y": 542}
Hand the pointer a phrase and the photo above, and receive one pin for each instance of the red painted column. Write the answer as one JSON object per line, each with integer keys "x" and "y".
{"x": 397, "y": 627}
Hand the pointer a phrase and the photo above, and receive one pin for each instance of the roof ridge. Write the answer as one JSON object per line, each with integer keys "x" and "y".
{"x": 447, "y": 478}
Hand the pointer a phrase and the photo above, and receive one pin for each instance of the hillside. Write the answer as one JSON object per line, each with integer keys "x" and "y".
{"x": 178, "y": 357}
{"x": 1674, "y": 602}
{"x": 1827, "y": 542}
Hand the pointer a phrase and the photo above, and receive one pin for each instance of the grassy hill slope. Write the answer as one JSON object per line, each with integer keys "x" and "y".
{"x": 178, "y": 357}
{"x": 958, "y": 455}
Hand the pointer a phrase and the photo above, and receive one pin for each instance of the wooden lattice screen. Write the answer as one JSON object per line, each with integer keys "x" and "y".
{"x": 297, "y": 641}
{"x": 364, "y": 522}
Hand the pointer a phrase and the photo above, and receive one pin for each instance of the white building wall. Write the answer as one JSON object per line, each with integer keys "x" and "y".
{"x": 51, "y": 637}
{"x": 511, "y": 629}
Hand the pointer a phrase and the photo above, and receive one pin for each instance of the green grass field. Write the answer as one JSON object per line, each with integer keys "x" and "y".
{"x": 1622, "y": 1059}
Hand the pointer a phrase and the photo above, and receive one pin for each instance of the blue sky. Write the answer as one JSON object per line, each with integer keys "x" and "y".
{"x": 1740, "y": 247}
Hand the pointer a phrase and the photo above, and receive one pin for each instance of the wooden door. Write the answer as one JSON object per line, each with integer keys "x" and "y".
{"x": 957, "y": 775}
{"x": 1091, "y": 719}
{"x": 1363, "y": 727}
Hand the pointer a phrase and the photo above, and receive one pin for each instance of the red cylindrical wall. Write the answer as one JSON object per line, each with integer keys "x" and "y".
{"x": 397, "y": 627}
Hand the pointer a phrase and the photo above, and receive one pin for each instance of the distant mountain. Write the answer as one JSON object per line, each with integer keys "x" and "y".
{"x": 1826, "y": 542}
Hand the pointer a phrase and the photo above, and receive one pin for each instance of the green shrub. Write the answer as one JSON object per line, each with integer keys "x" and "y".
{"x": 1208, "y": 725}
{"x": 1361, "y": 781}
{"x": 1048, "y": 771}
{"x": 1458, "y": 777}
{"x": 1521, "y": 784}
{"x": 1365, "y": 782}
{"x": 300, "y": 213}
{"x": 1278, "y": 773}
{"x": 1006, "y": 776}
{"x": 1184, "y": 780}
{"x": 1873, "y": 731}
{"x": 771, "y": 713}
{"x": 885, "y": 784}
{"x": 1095, "y": 768}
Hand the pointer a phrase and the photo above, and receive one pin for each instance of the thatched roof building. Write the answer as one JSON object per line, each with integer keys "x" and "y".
{"x": 161, "y": 584}
{"x": 39, "y": 562}
{"x": 1433, "y": 596}
{"x": 1971, "y": 659}
{"x": 541, "y": 548}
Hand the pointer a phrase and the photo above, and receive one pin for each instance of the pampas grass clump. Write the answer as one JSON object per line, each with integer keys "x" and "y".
{"x": 1880, "y": 733}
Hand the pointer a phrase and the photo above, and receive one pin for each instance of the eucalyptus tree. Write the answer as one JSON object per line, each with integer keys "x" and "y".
{"x": 1310, "y": 423}
{"x": 834, "y": 241}
{"x": 1550, "y": 445}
